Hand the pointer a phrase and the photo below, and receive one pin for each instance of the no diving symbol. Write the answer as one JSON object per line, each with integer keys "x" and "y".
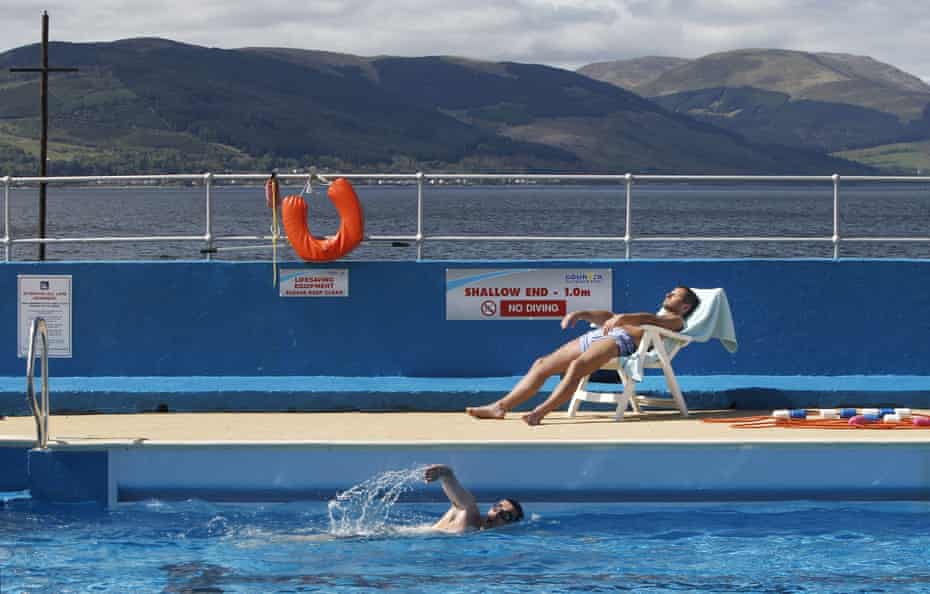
{"x": 488, "y": 308}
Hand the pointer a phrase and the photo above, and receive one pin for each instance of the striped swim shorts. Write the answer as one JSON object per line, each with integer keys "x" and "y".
{"x": 624, "y": 341}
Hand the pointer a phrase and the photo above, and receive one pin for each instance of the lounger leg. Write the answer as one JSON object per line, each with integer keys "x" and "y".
{"x": 627, "y": 397}
{"x": 672, "y": 382}
{"x": 670, "y": 378}
{"x": 580, "y": 394}
{"x": 629, "y": 392}
{"x": 573, "y": 407}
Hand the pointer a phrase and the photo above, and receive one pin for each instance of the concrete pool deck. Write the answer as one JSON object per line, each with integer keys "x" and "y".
{"x": 413, "y": 427}
{"x": 113, "y": 458}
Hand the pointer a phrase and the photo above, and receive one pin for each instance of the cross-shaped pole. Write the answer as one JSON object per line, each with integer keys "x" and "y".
{"x": 43, "y": 141}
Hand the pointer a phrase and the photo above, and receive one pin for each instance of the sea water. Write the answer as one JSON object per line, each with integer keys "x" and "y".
{"x": 658, "y": 209}
{"x": 369, "y": 539}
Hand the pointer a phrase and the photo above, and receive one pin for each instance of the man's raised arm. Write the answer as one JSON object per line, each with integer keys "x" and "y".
{"x": 595, "y": 316}
{"x": 457, "y": 494}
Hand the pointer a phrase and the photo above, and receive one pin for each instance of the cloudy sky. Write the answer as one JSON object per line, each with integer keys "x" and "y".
{"x": 564, "y": 33}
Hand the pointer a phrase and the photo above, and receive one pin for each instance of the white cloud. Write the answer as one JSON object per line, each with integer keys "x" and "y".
{"x": 567, "y": 33}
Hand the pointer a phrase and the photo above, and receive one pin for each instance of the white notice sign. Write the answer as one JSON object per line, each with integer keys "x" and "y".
{"x": 321, "y": 282}
{"x": 46, "y": 297}
{"x": 495, "y": 294}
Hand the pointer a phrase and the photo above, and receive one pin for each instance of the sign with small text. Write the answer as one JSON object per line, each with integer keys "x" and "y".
{"x": 494, "y": 294}
{"x": 309, "y": 282}
{"x": 47, "y": 297}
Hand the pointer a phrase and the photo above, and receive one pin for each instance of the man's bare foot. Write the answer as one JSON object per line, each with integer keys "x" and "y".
{"x": 489, "y": 411}
{"x": 533, "y": 418}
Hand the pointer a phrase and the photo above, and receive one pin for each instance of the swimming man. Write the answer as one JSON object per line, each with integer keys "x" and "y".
{"x": 619, "y": 335}
{"x": 464, "y": 514}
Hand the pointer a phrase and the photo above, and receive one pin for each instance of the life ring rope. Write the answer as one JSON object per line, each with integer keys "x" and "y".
{"x": 273, "y": 201}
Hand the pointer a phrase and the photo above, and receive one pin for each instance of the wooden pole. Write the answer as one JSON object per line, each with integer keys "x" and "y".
{"x": 43, "y": 140}
{"x": 43, "y": 137}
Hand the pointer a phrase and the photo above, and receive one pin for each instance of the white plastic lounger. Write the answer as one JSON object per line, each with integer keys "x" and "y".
{"x": 712, "y": 319}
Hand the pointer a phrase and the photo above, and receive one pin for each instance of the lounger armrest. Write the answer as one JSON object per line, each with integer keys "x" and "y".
{"x": 666, "y": 333}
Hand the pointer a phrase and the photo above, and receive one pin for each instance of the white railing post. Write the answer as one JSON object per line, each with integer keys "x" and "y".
{"x": 419, "y": 215}
{"x": 208, "y": 235}
{"x": 628, "y": 235}
{"x": 6, "y": 218}
{"x": 836, "y": 216}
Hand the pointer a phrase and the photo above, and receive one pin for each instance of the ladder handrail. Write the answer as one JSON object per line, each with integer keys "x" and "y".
{"x": 39, "y": 410}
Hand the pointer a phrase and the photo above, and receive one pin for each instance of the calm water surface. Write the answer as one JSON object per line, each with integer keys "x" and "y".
{"x": 595, "y": 210}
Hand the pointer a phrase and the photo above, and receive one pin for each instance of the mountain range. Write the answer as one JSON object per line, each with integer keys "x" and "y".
{"x": 146, "y": 105}
{"x": 827, "y": 102}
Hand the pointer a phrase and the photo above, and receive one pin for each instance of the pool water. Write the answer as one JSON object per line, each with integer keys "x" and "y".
{"x": 194, "y": 546}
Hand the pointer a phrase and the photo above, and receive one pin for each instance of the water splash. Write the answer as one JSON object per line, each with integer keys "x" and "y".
{"x": 365, "y": 508}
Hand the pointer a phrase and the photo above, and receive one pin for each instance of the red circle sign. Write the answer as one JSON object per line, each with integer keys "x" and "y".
{"x": 488, "y": 308}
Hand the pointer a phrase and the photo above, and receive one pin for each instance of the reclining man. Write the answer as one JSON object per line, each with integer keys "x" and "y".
{"x": 619, "y": 335}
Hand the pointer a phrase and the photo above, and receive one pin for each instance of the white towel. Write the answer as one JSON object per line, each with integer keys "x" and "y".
{"x": 712, "y": 319}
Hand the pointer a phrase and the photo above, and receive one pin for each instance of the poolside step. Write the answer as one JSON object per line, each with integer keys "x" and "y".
{"x": 330, "y": 393}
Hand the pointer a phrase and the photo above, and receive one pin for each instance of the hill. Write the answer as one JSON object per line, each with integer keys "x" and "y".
{"x": 158, "y": 105}
{"x": 909, "y": 158}
{"x": 821, "y": 101}
{"x": 631, "y": 74}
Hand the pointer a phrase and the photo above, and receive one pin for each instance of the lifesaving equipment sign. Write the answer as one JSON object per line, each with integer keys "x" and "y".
{"x": 529, "y": 294}
{"x": 319, "y": 282}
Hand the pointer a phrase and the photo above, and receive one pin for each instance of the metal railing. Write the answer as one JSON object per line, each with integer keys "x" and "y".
{"x": 210, "y": 241}
{"x": 40, "y": 410}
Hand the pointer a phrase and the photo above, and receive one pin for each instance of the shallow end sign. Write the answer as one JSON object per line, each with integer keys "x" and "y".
{"x": 525, "y": 294}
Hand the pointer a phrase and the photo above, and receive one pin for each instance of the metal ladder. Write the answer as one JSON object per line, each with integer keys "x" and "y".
{"x": 40, "y": 410}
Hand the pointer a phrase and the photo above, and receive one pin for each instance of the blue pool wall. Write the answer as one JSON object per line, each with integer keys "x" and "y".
{"x": 13, "y": 461}
{"x": 793, "y": 317}
{"x": 538, "y": 471}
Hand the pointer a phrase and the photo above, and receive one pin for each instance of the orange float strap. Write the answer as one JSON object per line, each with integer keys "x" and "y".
{"x": 273, "y": 201}
{"x": 351, "y": 225}
{"x": 844, "y": 418}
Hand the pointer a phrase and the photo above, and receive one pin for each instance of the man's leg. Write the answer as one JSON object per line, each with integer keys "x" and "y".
{"x": 599, "y": 353}
{"x": 542, "y": 369}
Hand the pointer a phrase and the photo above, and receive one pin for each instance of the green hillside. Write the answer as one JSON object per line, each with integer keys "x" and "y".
{"x": 774, "y": 117}
{"x": 908, "y": 158}
{"x": 156, "y": 105}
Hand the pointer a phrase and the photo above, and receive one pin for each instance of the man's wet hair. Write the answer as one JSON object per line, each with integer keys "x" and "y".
{"x": 691, "y": 299}
{"x": 517, "y": 508}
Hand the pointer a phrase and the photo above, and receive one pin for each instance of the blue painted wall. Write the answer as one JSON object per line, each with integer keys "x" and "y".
{"x": 14, "y": 475}
{"x": 200, "y": 318}
{"x": 61, "y": 476}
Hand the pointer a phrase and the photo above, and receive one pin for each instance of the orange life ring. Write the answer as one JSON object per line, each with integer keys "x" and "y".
{"x": 351, "y": 226}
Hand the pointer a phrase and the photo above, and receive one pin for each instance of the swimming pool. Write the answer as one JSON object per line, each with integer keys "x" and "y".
{"x": 193, "y": 546}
